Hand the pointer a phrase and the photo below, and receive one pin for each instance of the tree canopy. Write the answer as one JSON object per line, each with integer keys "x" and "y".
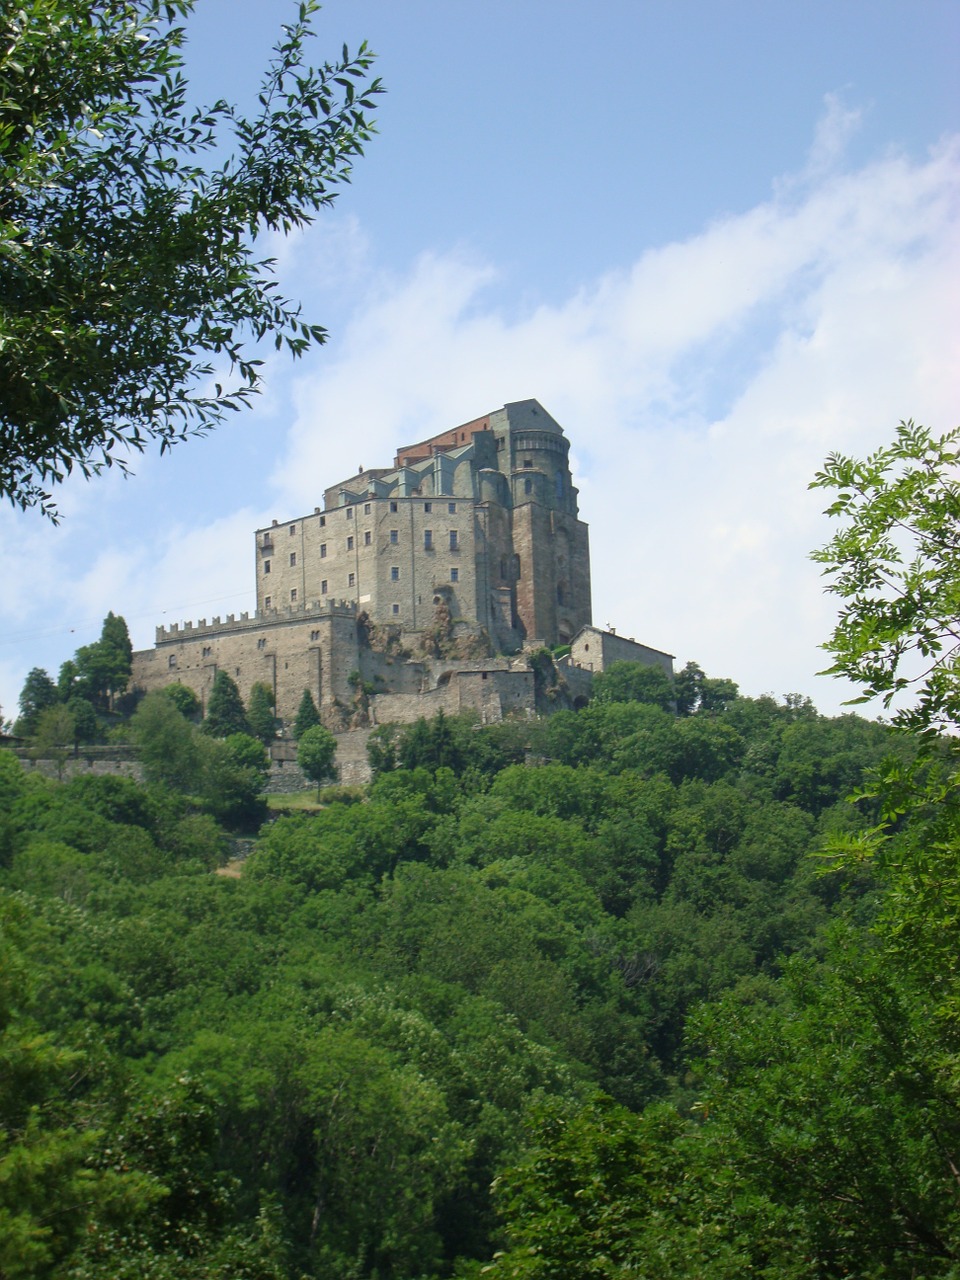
{"x": 225, "y": 710}
{"x": 130, "y": 277}
{"x": 895, "y": 564}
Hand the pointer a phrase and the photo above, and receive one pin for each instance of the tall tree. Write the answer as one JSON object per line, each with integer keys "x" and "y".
{"x": 102, "y": 670}
{"x": 307, "y": 715}
{"x": 128, "y": 228}
{"x": 38, "y": 693}
{"x": 225, "y": 710}
{"x": 262, "y": 721}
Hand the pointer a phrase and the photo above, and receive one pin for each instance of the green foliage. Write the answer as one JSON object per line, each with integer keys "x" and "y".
{"x": 260, "y": 716}
{"x": 54, "y": 736}
{"x": 100, "y": 671}
{"x": 316, "y": 752}
{"x": 307, "y": 715}
{"x": 448, "y": 742}
{"x": 225, "y": 710}
{"x": 168, "y": 748}
{"x": 321, "y": 1065}
{"x": 233, "y": 771}
{"x": 38, "y": 694}
{"x": 634, "y": 682}
{"x": 696, "y": 691}
{"x": 896, "y": 566}
{"x": 85, "y": 725}
{"x": 128, "y": 234}
{"x": 184, "y": 699}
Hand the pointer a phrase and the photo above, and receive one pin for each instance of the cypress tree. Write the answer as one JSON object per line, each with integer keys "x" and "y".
{"x": 263, "y": 723}
{"x": 308, "y": 717}
{"x": 225, "y": 710}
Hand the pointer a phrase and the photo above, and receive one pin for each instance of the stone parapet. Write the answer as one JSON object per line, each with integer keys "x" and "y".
{"x": 179, "y": 631}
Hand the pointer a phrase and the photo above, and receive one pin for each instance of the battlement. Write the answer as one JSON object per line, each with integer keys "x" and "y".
{"x": 179, "y": 631}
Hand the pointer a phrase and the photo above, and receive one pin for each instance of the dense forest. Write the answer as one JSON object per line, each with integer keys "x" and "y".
{"x": 631, "y": 991}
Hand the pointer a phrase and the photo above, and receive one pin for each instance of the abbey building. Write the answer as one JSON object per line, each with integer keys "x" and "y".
{"x": 464, "y": 552}
{"x": 482, "y": 518}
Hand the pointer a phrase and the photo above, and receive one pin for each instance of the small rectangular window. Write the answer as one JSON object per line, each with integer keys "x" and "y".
{"x": 323, "y": 522}
{"x": 428, "y": 507}
{"x": 293, "y": 530}
{"x": 393, "y": 506}
{"x": 349, "y": 513}
{"x": 266, "y": 566}
{"x": 454, "y": 540}
{"x": 351, "y": 579}
{"x": 323, "y": 587}
{"x": 528, "y": 485}
{"x": 528, "y": 462}
{"x": 454, "y": 575}
{"x": 172, "y": 660}
{"x": 366, "y": 537}
{"x": 323, "y": 551}
{"x": 293, "y": 595}
{"x": 350, "y": 543}
{"x": 428, "y": 539}
{"x": 394, "y": 574}
{"x": 366, "y": 508}
{"x": 293, "y": 559}
{"x": 396, "y": 609}
{"x": 266, "y": 602}
{"x": 452, "y": 508}
{"x": 394, "y": 537}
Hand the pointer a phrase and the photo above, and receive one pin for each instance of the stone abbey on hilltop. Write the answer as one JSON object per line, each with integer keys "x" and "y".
{"x": 415, "y": 586}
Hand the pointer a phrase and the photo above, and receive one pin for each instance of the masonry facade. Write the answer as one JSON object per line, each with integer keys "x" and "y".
{"x": 482, "y": 520}
{"x": 409, "y": 581}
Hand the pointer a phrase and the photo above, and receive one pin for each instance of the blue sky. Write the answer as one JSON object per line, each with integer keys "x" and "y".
{"x": 716, "y": 240}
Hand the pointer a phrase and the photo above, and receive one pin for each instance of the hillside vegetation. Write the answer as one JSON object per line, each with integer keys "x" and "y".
{"x": 596, "y": 1014}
